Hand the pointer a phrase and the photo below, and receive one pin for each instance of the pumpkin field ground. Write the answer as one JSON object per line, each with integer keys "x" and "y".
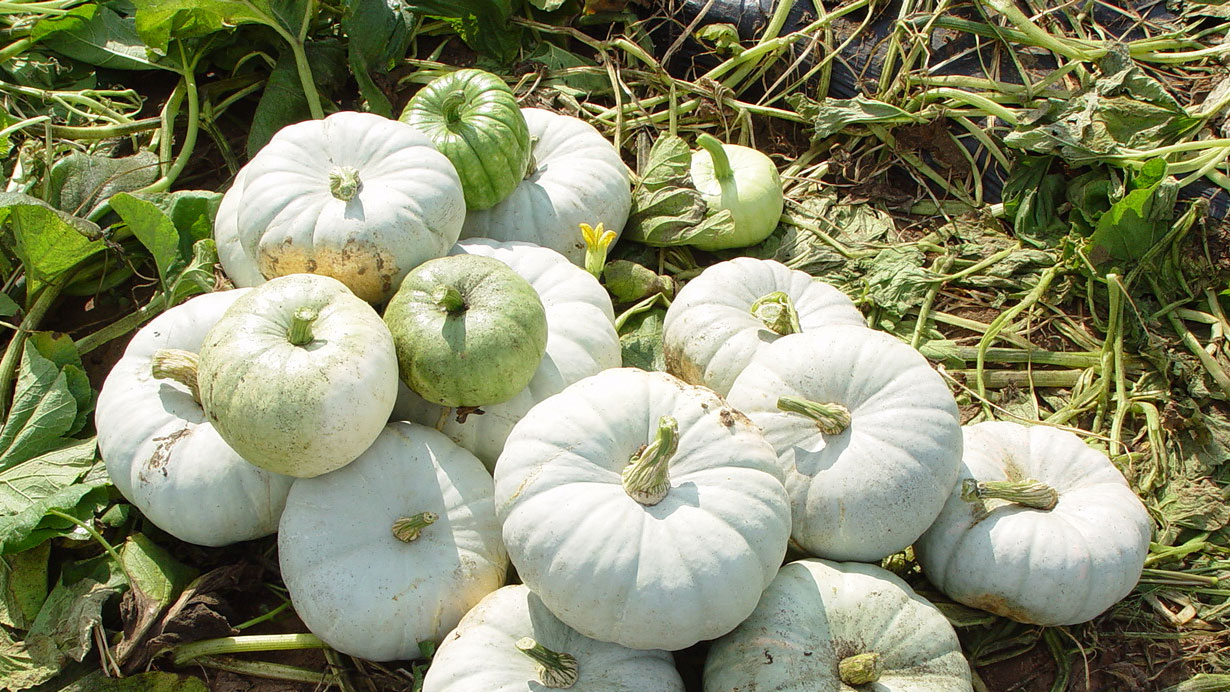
{"x": 1033, "y": 194}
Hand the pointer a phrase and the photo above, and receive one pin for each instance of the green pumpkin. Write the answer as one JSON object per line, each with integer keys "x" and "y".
{"x": 468, "y": 330}
{"x": 472, "y": 117}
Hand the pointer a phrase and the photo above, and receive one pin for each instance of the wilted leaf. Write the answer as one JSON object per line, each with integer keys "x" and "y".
{"x": 153, "y": 681}
{"x": 18, "y": 668}
{"x": 63, "y": 628}
{"x": 834, "y": 115}
{"x": 640, "y": 335}
{"x": 80, "y": 182}
{"x": 895, "y": 280}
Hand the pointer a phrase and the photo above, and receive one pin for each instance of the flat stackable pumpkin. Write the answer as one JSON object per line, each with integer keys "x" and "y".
{"x": 581, "y": 341}
{"x": 1041, "y": 528}
{"x": 867, "y": 433}
{"x": 355, "y": 196}
{"x": 162, "y": 452}
{"x": 510, "y": 642}
{"x": 393, "y": 549}
{"x": 299, "y": 375}
{"x": 473, "y": 118}
{"x": 829, "y": 627}
{"x": 469, "y": 331}
{"x": 642, "y": 510}
{"x": 576, "y": 176}
{"x": 720, "y": 318}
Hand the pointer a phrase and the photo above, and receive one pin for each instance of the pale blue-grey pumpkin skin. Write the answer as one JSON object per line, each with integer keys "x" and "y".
{"x": 473, "y": 119}
{"x": 480, "y": 350}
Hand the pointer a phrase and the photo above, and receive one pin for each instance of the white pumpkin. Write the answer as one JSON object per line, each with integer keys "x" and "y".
{"x": 720, "y": 318}
{"x": 355, "y": 196}
{"x": 1040, "y": 528}
{"x": 867, "y": 433}
{"x": 642, "y": 510}
{"x": 237, "y": 264}
{"x": 394, "y": 548}
{"x": 165, "y": 456}
{"x": 299, "y": 375}
{"x": 581, "y": 341}
{"x": 576, "y": 176}
{"x": 830, "y": 626}
{"x": 483, "y": 654}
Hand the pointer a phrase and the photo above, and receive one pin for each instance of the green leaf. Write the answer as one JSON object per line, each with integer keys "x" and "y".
{"x": 1032, "y": 195}
{"x": 483, "y": 24}
{"x": 547, "y": 5}
{"x": 80, "y": 182}
{"x": 153, "y": 681}
{"x": 95, "y": 35}
{"x": 64, "y": 626}
{"x": 6, "y": 145}
{"x": 723, "y": 37}
{"x": 895, "y": 279}
{"x": 557, "y": 60}
{"x": 640, "y": 336}
{"x": 159, "y": 576}
{"x": 8, "y": 306}
{"x": 153, "y": 228}
{"x": 23, "y": 586}
{"x": 379, "y": 34}
{"x": 18, "y": 668}
{"x": 43, "y": 484}
{"x": 44, "y": 410}
{"x": 48, "y": 242}
{"x": 1138, "y": 221}
{"x": 198, "y": 276}
{"x": 283, "y": 102}
{"x": 834, "y": 115}
{"x": 158, "y": 22}
{"x": 192, "y": 212}
{"x": 61, "y": 350}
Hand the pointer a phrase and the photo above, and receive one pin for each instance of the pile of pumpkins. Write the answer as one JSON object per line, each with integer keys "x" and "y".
{"x": 406, "y": 458}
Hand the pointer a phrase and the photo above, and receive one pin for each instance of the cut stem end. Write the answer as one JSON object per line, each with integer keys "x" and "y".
{"x": 832, "y": 418}
{"x": 300, "y": 332}
{"x": 409, "y": 528}
{"x": 861, "y": 669}
{"x": 1029, "y": 493}
{"x": 177, "y": 365}
{"x": 777, "y": 312}
{"x": 555, "y": 669}
{"x": 449, "y": 298}
{"x": 646, "y": 478}
{"x": 344, "y": 182}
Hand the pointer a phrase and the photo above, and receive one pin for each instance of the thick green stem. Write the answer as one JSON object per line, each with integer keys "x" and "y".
{"x": 300, "y": 332}
{"x": 832, "y": 419}
{"x": 449, "y": 298}
{"x": 1029, "y": 493}
{"x": 555, "y": 669}
{"x": 409, "y": 528}
{"x": 646, "y": 478}
{"x": 178, "y": 365}
{"x": 861, "y": 669}
{"x": 451, "y": 107}
{"x": 270, "y": 671}
{"x": 250, "y": 643}
{"x": 193, "y": 127}
{"x": 344, "y": 182}
{"x": 721, "y": 163}
{"x": 777, "y": 312}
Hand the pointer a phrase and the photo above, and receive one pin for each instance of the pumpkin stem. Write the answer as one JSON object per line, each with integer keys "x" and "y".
{"x": 597, "y": 242}
{"x": 1028, "y": 492}
{"x": 344, "y": 182}
{"x": 451, "y": 106}
{"x": 408, "y": 528}
{"x": 178, "y": 365}
{"x": 777, "y": 312}
{"x": 531, "y": 165}
{"x": 555, "y": 669}
{"x": 832, "y": 419}
{"x": 449, "y": 298}
{"x": 721, "y": 163}
{"x": 646, "y": 477}
{"x": 300, "y": 332}
{"x": 861, "y": 669}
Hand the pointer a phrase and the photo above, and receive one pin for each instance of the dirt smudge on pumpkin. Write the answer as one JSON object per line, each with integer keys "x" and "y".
{"x": 999, "y": 605}
{"x": 367, "y": 270}
{"x": 163, "y": 446}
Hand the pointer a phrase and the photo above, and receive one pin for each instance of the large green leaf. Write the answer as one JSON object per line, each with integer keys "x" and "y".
{"x": 23, "y": 585}
{"x": 378, "y": 35}
{"x": 1138, "y": 220}
{"x": 80, "y": 182}
{"x": 831, "y": 116}
{"x": 48, "y": 242}
{"x": 43, "y": 412}
{"x": 95, "y": 35}
{"x": 283, "y": 103}
{"x": 158, "y": 22}
{"x": 153, "y": 228}
{"x": 483, "y": 24}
